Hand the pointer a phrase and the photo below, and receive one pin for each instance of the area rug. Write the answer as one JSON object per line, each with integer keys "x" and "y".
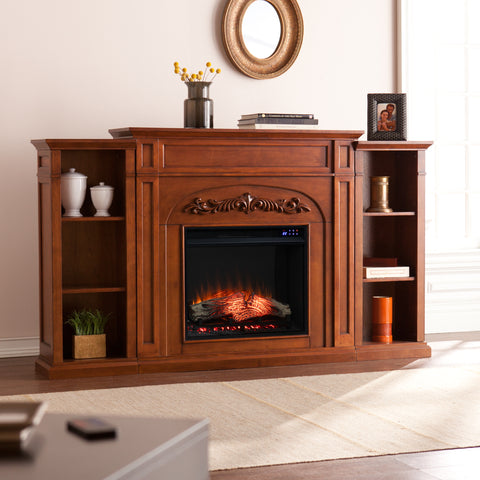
{"x": 302, "y": 419}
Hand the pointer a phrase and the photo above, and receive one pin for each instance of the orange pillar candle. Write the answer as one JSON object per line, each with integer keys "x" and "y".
{"x": 382, "y": 319}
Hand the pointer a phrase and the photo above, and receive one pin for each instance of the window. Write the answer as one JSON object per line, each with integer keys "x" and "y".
{"x": 441, "y": 76}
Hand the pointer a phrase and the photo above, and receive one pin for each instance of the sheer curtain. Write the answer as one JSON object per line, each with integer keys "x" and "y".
{"x": 440, "y": 72}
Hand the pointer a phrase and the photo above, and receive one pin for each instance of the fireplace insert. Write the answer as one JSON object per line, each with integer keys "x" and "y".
{"x": 246, "y": 281}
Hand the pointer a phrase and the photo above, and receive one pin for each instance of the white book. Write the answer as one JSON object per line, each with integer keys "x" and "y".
{"x": 386, "y": 272}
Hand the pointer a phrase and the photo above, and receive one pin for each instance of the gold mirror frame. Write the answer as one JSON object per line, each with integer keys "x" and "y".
{"x": 291, "y": 22}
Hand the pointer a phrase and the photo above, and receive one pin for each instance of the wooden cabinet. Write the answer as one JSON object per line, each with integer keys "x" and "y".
{"x": 399, "y": 234}
{"x": 87, "y": 261}
{"x": 132, "y": 263}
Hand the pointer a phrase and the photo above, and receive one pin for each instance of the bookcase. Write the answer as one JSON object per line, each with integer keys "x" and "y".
{"x": 87, "y": 261}
{"x": 398, "y": 234}
{"x": 131, "y": 264}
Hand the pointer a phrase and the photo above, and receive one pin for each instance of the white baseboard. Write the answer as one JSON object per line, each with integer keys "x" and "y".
{"x": 19, "y": 347}
{"x": 452, "y": 302}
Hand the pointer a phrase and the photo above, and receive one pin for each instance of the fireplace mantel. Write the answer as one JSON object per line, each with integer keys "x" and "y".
{"x": 169, "y": 180}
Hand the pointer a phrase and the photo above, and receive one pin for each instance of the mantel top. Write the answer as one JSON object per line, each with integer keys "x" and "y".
{"x": 151, "y": 132}
{"x": 402, "y": 145}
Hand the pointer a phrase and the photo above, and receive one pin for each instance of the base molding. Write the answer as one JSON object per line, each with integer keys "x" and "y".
{"x": 19, "y": 347}
{"x": 191, "y": 363}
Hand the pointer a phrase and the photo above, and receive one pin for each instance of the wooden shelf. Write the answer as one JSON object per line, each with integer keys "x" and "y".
{"x": 398, "y": 234}
{"x": 80, "y": 290}
{"x": 395, "y": 343}
{"x": 90, "y": 361}
{"x": 389, "y": 279}
{"x": 93, "y": 219}
{"x": 389, "y": 214}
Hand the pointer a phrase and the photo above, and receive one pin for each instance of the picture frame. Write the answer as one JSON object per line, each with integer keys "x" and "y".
{"x": 387, "y": 116}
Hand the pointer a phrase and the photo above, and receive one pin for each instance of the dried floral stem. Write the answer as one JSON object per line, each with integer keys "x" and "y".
{"x": 196, "y": 77}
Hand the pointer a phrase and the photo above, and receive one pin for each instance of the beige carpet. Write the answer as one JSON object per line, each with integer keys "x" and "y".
{"x": 299, "y": 419}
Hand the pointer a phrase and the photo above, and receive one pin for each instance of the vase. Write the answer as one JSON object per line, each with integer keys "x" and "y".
{"x": 379, "y": 195}
{"x": 73, "y": 186}
{"x": 89, "y": 346}
{"x": 102, "y": 196}
{"x": 198, "y": 108}
{"x": 382, "y": 319}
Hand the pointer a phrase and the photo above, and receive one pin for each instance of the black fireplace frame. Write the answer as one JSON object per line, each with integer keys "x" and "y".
{"x": 286, "y": 252}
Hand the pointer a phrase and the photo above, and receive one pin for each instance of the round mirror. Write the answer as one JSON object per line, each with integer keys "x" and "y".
{"x": 261, "y": 29}
{"x": 251, "y": 46}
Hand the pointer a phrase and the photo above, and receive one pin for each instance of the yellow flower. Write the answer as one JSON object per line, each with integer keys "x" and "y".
{"x": 207, "y": 76}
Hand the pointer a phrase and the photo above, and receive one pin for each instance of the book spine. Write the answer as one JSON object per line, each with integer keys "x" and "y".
{"x": 306, "y": 121}
{"x": 278, "y": 126}
{"x": 277, "y": 115}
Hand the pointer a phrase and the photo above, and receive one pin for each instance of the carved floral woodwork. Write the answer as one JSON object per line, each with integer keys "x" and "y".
{"x": 246, "y": 203}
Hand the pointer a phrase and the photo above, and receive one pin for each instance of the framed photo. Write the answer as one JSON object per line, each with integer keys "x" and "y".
{"x": 387, "y": 116}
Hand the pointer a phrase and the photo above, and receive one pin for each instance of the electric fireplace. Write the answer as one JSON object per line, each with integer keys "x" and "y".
{"x": 230, "y": 249}
{"x": 246, "y": 281}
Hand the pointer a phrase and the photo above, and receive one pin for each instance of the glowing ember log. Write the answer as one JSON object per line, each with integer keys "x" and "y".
{"x": 239, "y": 307}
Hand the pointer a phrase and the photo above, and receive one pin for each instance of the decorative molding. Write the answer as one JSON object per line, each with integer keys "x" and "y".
{"x": 246, "y": 203}
{"x": 19, "y": 347}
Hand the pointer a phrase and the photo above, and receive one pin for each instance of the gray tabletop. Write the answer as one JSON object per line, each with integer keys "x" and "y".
{"x": 144, "y": 448}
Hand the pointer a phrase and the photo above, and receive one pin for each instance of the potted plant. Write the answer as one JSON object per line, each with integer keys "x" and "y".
{"x": 89, "y": 340}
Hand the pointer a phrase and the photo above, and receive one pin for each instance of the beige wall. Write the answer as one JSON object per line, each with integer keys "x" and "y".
{"x": 77, "y": 68}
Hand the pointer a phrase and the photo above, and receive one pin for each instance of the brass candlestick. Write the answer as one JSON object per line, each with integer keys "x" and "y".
{"x": 379, "y": 195}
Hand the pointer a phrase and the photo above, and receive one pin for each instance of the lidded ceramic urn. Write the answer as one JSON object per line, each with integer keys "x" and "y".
{"x": 73, "y": 186}
{"x": 102, "y": 196}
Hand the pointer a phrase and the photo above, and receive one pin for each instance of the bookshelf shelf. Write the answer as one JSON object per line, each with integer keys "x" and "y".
{"x": 395, "y": 235}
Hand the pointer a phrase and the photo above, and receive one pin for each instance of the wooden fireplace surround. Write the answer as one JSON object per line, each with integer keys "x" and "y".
{"x": 169, "y": 179}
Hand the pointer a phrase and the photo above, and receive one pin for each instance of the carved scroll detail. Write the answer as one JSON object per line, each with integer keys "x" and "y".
{"x": 246, "y": 203}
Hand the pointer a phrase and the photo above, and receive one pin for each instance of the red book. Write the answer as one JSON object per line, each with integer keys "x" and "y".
{"x": 379, "y": 262}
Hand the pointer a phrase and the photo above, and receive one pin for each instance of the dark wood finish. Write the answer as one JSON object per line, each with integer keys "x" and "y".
{"x": 132, "y": 263}
{"x": 400, "y": 234}
{"x": 87, "y": 261}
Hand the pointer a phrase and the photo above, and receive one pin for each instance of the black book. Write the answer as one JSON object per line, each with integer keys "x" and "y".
{"x": 272, "y": 121}
{"x": 277, "y": 115}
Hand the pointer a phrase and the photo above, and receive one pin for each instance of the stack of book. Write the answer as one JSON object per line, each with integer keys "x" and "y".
{"x": 278, "y": 120}
{"x": 17, "y": 423}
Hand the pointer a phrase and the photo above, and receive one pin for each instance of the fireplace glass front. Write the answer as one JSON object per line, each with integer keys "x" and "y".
{"x": 245, "y": 281}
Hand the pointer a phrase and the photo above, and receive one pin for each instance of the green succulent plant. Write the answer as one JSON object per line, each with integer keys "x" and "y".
{"x": 88, "y": 322}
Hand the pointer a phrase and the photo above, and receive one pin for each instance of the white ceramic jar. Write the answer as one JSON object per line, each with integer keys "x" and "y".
{"x": 73, "y": 186}
{"x": 102, "y": 197}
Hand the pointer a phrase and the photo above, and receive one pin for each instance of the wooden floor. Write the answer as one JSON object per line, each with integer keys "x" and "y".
{"x": 17, "y": 376}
